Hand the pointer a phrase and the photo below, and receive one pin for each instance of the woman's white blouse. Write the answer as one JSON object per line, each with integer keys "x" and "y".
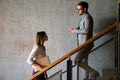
{"x": 37, "y": 52}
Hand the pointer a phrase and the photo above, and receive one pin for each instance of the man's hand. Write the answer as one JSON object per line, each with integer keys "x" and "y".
{"x": 73, "y": 30}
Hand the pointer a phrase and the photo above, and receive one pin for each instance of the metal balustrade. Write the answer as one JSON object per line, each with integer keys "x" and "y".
{"x": 67, "y": 55}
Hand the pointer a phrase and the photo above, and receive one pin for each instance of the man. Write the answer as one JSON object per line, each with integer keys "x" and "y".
{"x": 84, "y": 32}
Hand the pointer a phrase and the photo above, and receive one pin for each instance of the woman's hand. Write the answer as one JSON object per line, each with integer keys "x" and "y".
{"x": 42, "y": 67}
{"x": 37, "y": 66}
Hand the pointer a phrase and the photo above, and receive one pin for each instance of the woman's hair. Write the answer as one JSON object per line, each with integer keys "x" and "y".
{"x": 39, "y": 37}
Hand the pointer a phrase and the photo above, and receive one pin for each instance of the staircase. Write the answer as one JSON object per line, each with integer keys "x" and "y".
{"x": 107, "y": 74}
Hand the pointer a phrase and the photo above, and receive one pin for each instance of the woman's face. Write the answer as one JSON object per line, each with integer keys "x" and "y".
{"x": 45, "y": 38}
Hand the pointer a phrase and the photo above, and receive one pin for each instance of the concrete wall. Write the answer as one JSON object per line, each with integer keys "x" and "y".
{"x": 21, "y": 19}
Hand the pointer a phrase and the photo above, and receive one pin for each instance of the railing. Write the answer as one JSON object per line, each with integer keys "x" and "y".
{"x": 94, "y": 49}
{"x": 115, "y": 25}
{"x": 57, "y": 75}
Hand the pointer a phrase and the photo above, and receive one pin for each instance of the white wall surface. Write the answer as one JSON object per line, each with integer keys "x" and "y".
{"x": 21, "y": 19}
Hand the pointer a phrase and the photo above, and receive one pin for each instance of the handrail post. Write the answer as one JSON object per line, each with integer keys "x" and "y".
{"x": 77, "y": 65}
{"x": 69, "y": 69}
{"x": 105, "y": 31}
{"x": 119, "y": 41}
{"x": 117, "y": 46}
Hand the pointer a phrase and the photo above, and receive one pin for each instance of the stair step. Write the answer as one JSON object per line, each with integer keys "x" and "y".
{"x": 108, "y": 74}
{"x": 99, "y": 78}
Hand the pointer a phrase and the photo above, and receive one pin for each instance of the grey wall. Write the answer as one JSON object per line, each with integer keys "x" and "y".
{"x": 21, "y": 19}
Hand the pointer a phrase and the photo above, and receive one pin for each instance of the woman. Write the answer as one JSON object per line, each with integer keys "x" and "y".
{"x": 38, "y": 51}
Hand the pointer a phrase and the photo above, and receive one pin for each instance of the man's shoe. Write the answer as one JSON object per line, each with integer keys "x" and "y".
{"x": 94, "y": 75}
{"x": 86, "y": 78}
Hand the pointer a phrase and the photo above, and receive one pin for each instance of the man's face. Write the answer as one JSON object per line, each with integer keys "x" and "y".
{"x": 80, "y": 10}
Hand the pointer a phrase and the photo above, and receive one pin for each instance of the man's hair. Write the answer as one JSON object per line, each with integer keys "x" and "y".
{"x": 84, "y": 4}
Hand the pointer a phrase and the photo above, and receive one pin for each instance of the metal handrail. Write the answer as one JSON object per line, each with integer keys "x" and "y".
{"x": 94, "y": 49}
{"x": 105, "y": 31}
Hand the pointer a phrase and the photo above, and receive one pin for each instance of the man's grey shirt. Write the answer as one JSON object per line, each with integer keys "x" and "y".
{"x": 85, "y": 28}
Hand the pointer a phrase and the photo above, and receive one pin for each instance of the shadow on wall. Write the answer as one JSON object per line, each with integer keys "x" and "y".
{"x": 104, "y": 23}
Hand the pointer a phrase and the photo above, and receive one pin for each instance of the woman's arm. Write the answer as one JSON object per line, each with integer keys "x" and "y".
{"x": 30, "y": 59}
{"x": 32, "y": 56}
